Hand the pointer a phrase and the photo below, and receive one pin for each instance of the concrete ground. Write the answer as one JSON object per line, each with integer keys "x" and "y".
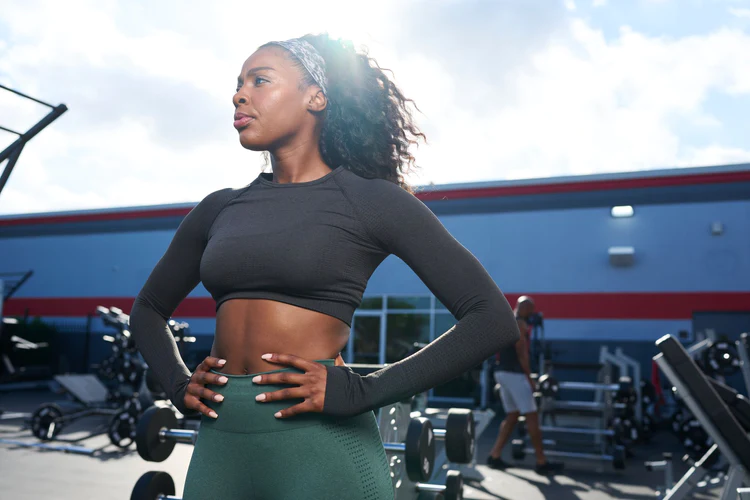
{"x": 28, "y": 473}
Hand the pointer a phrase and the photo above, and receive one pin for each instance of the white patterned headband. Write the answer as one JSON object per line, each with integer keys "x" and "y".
{"x": 306, "y": 54}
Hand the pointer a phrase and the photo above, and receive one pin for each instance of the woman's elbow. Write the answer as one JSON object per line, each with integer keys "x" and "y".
{"x": 504, "y": 325}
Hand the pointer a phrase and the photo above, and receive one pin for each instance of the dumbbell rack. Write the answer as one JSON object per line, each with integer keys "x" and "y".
{"x": 627, "y": 367}
{"x": 602, "y": 410}
{"x": 394, "y": 424}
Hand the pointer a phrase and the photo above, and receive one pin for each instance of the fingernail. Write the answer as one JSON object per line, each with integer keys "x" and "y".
{"x": 223, "y": 380}
{"x": 260, "y": 397}
{"x": 277, "y": 414}
{"x": 213, "y": 414}
{"x": 256, "y": 379}
{"x": 218, "y": 397}
{"x": 266, "y": 356}
{"x": 222, "y": 361}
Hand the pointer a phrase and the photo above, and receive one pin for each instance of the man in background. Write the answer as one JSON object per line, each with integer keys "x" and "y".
{"x": 512, "y": 373}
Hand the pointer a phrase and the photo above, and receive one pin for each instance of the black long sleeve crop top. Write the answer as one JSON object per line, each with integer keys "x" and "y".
{"x": 315, "y": 245}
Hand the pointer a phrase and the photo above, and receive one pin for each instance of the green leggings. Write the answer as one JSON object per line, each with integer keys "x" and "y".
{"x": 247, "y": 453}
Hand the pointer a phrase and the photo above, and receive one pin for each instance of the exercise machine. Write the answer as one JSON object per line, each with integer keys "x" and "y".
{"x": 710, "y": 403}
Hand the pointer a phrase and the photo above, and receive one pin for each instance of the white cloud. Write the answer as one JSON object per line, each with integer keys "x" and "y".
{"x": 506, "y": 92}
{"x": 738, "y": 12}
{"x": 714, "y": 154}
{"x": 599, "y": 3}
{"x": 590, "y": 105}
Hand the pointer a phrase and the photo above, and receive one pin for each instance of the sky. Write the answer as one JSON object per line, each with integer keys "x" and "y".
{"x": 506, "y": 89}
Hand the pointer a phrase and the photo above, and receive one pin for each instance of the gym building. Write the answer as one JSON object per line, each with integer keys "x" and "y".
{"x": 615, "y": 260}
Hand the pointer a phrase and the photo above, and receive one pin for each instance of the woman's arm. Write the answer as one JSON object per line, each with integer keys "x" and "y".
{"x": 402, "y": 225}
{"x": 175, "y": 275}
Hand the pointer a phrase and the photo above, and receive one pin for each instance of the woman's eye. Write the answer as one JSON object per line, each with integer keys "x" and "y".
{"x": 259, "y": 79}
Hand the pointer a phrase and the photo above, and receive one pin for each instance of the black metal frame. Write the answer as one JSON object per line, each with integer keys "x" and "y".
{"x": 12, "y": 152}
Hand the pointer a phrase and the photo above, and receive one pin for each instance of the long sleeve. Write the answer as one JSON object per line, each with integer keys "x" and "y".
{"x": 175, "y": 275}
{"x": 402, "y": 225}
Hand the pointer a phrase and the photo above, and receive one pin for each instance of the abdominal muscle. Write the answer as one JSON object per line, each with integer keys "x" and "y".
{"x": 248, "y": 328}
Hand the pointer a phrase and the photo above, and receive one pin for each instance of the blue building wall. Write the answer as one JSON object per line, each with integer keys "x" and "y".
{"x": 534, "y": 251}
{"x": 541, "y": 251}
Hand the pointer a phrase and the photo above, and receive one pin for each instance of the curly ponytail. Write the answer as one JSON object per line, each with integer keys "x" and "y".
{"x": 367, "y": 125}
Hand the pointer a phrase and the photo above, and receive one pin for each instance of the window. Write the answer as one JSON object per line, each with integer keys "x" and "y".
{"x": 370, "y": 303}
{"x": 409, "y": 302}
{"x": 403, "y": 330}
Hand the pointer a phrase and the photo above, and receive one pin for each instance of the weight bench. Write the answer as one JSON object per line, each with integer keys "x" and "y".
{"x": 708, "y": 402}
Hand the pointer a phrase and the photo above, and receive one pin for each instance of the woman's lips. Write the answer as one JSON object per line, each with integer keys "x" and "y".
{"x": 242, "y": 121}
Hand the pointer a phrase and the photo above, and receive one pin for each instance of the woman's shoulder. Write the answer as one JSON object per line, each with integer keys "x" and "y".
{"x": 375, "y": 189}
{"x": 219, "y": 197}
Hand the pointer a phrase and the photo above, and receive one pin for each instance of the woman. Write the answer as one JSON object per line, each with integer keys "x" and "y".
{"x": 287, "y": 259}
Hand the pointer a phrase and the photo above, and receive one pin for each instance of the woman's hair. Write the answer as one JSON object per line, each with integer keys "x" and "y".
{"x": 367, "y": 125}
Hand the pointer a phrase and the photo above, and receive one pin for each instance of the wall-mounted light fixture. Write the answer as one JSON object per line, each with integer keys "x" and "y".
{"x": 622, "y": 211}
{"x": 621, "y": 256}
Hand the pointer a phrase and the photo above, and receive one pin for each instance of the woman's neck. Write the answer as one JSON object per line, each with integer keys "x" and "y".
{"x": 300, "y": 163}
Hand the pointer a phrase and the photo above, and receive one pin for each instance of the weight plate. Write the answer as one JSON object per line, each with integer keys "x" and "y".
{"x": 460, "y": 436}
{"x": 133, "y": 406}
{"x": 122, "y": 429}
{"x": 721, "y": 358}
{"x": 153, "y": 484}
{"x": 420, "y": 449}
{"x": 454, "y": 486}
{"x": 548, "y": 386}
{"x": 47, "y": 421}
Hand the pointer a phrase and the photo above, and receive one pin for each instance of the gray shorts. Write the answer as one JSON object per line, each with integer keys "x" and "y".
{"x": 515, "y": 392}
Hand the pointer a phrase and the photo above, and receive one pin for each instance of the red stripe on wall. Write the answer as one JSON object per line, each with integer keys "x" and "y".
{"x": 667, "y": 305}
{"x": 104, "y": 216}
{"x": 447, "y": 194}
{"x": 580, "y": 186}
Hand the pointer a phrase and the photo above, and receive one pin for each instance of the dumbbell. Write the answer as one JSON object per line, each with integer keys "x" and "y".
{"x": 459, "y": 436}
{"x": 694, "y": 438}
{"x": 453, "y": 489}
{"x": 418, "y": 450}
{"x": 626, "y": 432}
{"x": 157, "y": 435}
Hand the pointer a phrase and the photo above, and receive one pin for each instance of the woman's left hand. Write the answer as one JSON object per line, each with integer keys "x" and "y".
{"x": 311, "y": 384}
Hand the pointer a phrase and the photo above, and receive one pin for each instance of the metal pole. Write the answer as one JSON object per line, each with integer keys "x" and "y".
{"x": 26, "y": 96}
{"x": 12, "y": 159}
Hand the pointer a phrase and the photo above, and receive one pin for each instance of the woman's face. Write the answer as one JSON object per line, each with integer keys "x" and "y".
{"x": 269, "y": 106}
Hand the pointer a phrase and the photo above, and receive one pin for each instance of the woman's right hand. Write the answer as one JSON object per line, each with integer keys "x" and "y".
{"x": 196, "y": 389}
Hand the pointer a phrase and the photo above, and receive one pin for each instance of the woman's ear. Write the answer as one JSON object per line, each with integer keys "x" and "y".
{"x": 318, "y": 101}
